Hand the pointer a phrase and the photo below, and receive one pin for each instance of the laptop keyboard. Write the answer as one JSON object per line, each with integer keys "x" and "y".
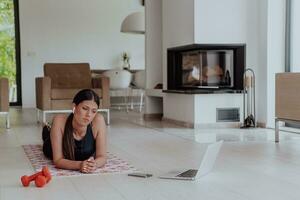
{"x": 188, "y": 173}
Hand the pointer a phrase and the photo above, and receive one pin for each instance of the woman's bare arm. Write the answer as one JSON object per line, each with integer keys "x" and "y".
{"x": 100, "y": 127}
{"x": 56, "y": 135}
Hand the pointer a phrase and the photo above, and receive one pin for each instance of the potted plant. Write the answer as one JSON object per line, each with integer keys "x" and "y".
{"x": 126, "y": 64}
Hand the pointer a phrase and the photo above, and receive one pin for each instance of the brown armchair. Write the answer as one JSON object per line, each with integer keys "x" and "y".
{"x": 287, "y": 104}
{"x": 61, "y": 81}
{"x": 4, "y": 99}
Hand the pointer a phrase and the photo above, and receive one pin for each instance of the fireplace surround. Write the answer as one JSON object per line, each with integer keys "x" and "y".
{"x": 206, "y": 68}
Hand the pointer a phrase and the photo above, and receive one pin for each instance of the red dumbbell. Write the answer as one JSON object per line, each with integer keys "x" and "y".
{"x": 27, "y": 179}
{"x": 41, "y": 180}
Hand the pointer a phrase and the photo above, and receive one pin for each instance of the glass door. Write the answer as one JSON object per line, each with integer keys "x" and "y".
{"x": 9, "y": 48}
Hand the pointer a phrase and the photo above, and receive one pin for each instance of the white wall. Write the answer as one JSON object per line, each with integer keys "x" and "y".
{"x": 276, "y": 50}
{"x": 220, "y": 21}
{"x": 180, "y": 107}
{"x": 153, "y": 51}
{"x": 153, "y": 39}
{"x": 269, "y": 55}
{"x": 75, "y": 31}
{"x": 259, "y": 39}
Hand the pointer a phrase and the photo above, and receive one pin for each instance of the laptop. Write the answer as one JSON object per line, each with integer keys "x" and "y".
{"x": 206, "y": 165}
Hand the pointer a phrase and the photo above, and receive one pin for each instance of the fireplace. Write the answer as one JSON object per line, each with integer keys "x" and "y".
{"x": 206, "y": 68}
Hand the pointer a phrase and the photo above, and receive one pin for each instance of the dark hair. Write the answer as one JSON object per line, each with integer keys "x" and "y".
{"x": 68, "y": 139}
{"x": 86, "y": 94}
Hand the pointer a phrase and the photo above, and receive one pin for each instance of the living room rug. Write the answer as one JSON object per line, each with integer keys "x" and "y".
{"x": 38, "y": 160}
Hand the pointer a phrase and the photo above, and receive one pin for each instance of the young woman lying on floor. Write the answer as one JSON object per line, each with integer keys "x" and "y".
{"x": 78, "y": 141}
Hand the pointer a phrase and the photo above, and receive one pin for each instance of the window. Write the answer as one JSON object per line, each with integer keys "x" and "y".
{"x": 294, "y": 36}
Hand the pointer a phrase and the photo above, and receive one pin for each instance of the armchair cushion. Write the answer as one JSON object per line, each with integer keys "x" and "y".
{"x": 68, "y": 93}
{"x": 69, "y": 75}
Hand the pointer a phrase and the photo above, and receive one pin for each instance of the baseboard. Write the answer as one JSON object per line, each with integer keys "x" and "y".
{"x": 179, "y": 123}
{"x": 219, "y": 125}
{"x": 153, "y": 116}
{"x": 261, "y": 125}
{"x": 204, "y": 125}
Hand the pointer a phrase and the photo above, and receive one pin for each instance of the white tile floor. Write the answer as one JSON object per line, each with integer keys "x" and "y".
{"x": 250, "y": 165}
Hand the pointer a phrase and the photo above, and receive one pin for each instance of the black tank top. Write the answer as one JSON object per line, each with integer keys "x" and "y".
{"x": 85, "y": 147}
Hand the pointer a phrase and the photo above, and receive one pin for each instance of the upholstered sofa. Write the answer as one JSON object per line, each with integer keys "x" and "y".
{"x": 4, "y": 99}
{"x": 61, "y": 81}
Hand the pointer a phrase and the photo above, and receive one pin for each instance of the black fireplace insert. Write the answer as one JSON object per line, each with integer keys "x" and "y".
{"x": 206, "y": 67}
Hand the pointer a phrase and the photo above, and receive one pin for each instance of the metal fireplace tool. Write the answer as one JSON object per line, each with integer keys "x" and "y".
{"x": 249, "y": 99}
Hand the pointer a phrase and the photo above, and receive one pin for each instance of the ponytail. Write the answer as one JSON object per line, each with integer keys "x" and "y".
{"x": 68, "y": 139}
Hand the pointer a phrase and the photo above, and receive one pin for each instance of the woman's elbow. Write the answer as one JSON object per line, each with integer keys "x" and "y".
{"x": 102, "y": 157}
{"x": 56, "y": 162}
{"x": 105, "y": 158}
{"x": 101, "y": 160}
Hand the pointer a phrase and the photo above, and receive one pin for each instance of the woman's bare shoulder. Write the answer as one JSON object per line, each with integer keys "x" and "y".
{"x": 98, "y": 124}
{"x": 58, "y": 125}
{"x": 98, "y": 119}
{"x": 60, "y": 119}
